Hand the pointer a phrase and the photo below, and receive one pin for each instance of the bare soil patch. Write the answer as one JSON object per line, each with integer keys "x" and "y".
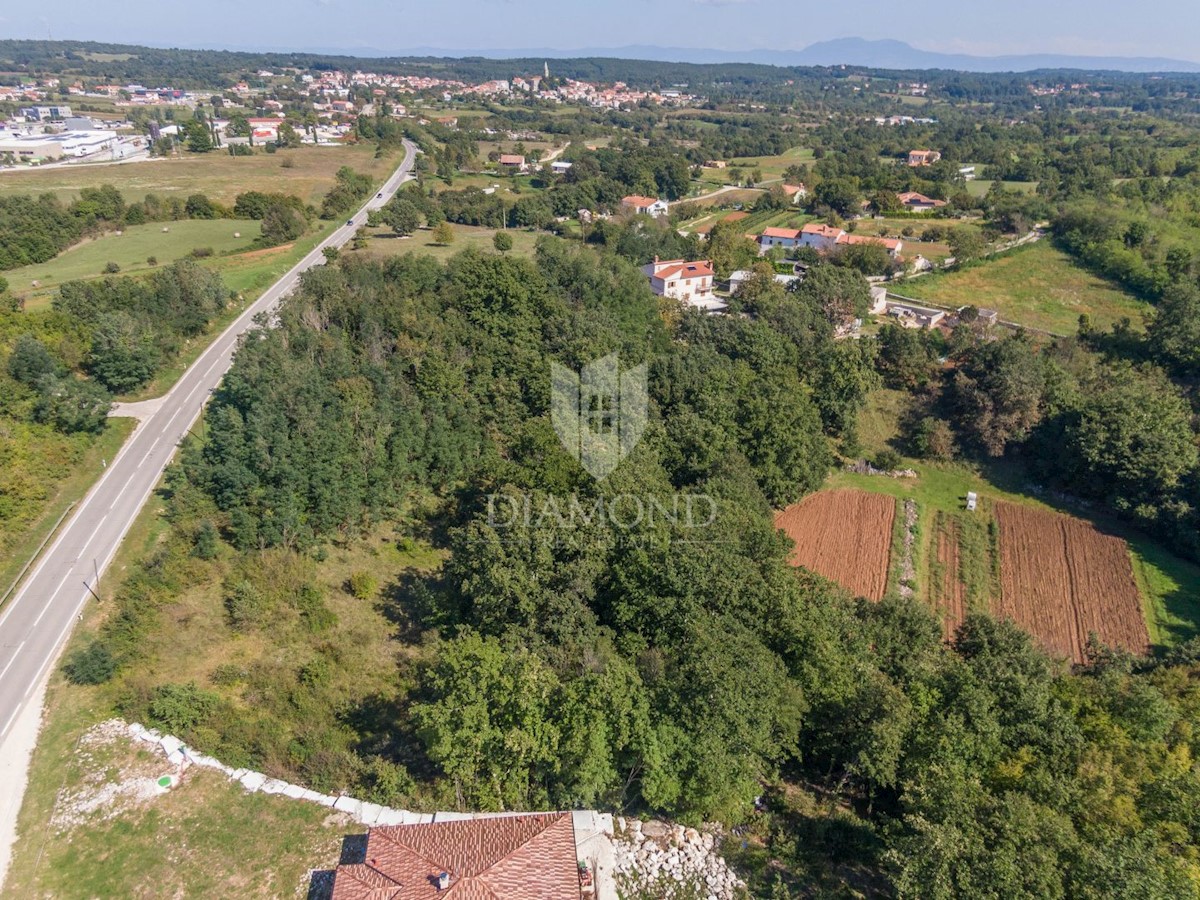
{"x": 1061, "y": 580}
{"x": 845, "y": 535}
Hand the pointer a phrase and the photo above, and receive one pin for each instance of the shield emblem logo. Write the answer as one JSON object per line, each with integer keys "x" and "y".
{"x": 599, "y": 414}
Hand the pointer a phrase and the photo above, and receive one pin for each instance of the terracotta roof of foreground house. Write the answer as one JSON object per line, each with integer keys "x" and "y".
{"x": 773, "y": 231}
{"x": 822, "y": 230}
{"x": 638, "y": 200}
{"x": 525, "y": 857}
{"x": 683, "y": 270}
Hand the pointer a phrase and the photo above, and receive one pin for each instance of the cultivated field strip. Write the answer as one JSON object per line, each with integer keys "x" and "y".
{"x": 844, "y": 535}
{"x": 1061, "y": 580}
{"x": 952, "y": 598}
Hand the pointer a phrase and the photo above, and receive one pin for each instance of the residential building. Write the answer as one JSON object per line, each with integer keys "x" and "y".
{"x": 909, "y": 315}
{"x": 795, "y": 192}
{"x": 518, "y": 857}
{"x": 741, "y": 276}
{"x": 560, "y": 167}
{"x": 513, "y": 162}
{"x": 914, "y": 202}
{"x": 788, "y": 238}
{"x": 892, "y": 245}
{"x": 821, "y": 238}
{"x": 688, "y": 282}
{"x": 648, "y": 206}
{"x": 923, "y": 157}
{"x": 967, "y": 172}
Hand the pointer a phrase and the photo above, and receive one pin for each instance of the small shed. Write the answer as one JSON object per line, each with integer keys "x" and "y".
{"x": 972, "y": 501}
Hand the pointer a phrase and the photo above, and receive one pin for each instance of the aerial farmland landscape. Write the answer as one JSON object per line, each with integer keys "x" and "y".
{"x": 694, "y": 459}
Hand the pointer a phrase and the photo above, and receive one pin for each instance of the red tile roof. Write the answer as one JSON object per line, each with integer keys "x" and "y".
{"x": 910, "y": 197}
{"x": 790, "y": 233}
{"x": 890, "y": 243}
{"x": 701, "y": 269}
{"x": 511, "y": 159}
{"x": 528, "y": 857}
{"x": 823, "y": 230}
{"x": 638, "y": 201}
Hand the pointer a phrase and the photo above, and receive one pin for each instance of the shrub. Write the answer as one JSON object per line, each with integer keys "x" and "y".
{"x": 363, "y": 585}
{"x": 502, "y": 241}
{"x": 180, "y": 707}
{"x": 207, "y": 542}
{"x": 152, "y": 260}
{"x": 887, "y": 460}
{"x": 245, "y": 605}
{"x": 202, "y": 252}
{"x": 313, "y": 612}
{"x": 111, "y": 268}
{"x": 93, "y": 664}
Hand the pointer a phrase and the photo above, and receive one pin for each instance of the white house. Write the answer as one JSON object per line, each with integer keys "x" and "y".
{"x": 688, "y": 282}
{"x": 821, "y": 238}
{"x": 779, "y": 237}
{"x": 560, "y": 167}
{"x": 647, "y": 206}
{"x": 741, "y": 276}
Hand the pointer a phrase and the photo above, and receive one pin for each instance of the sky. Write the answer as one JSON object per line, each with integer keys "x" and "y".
{"x": 1169, "y": 28}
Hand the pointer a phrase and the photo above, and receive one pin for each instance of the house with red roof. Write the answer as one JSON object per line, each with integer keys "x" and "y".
{"x": 518, "y": 857}
{"x": 915, "y": 202}
{"x": 687, "y": 282}
{"x": 787, "y": 238}
{"x": 513, "y": 162}
{"x": 795, "y": 192}
{"x": 644, "y": 206}
{"x": 892, "y": 245}
{"x": 923, "y": 157}
{"x": 821, "y": 238}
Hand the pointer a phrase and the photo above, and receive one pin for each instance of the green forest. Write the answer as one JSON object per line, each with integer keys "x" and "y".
{"x": 639, "y": 669}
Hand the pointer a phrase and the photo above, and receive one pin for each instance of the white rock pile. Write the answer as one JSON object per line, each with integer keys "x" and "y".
{"x": 652, "y": 854}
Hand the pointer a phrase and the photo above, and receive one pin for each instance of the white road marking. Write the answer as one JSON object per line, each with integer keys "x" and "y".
{"x": 16, "y": 653}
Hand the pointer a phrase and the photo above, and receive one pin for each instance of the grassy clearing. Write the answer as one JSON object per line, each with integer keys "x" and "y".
{"x": 205, "y": 838}
{"x": 772, "y": 167}
{"x": 1170, "y": 585}
{"x": 65, "y": 485}
{"x": 165, "y": 242}
{"x": 1038, "y": 286}
{"x": 248, "y": 275}
{"x": 384, "y": 244}
{"x": 306, "y": 172}
{"x": 1170, "y": 590}
{"x": 978, "y": 187}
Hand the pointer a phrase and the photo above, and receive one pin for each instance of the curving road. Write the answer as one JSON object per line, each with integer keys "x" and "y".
{"x": 39, "y": 616}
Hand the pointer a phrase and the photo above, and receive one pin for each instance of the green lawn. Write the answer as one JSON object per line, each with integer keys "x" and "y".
{"x": 1038, "y": 286}
{"x": 772, "y": 167}
{"x": 165, "y": 241}
{"x": 306, "y": 172}
{"x": 980, "y": 186}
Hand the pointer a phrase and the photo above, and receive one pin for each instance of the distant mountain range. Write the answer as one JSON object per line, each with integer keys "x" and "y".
{"x": 886, "y": 54}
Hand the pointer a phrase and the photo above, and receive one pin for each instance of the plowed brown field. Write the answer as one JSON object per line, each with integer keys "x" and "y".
{"x": 1061, "y": 579}
{"x": 952, "y": 599}
{"x": 845, "y": 536}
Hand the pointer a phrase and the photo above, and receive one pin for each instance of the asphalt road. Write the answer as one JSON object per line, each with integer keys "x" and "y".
{"x": 39, "y": 616}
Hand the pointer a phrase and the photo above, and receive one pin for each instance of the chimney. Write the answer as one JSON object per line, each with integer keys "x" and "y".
{"x": 443, "y": 881}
